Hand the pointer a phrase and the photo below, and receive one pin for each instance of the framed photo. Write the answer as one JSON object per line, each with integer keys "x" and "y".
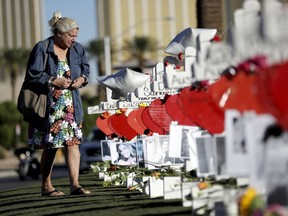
{"x": 220, "y": 143}
{"x": 236, "y": 145}
{"x": 178, "y": 140}
{"x": 148, "y": 143}
{"x": 105, "y": 150}
{"x": 124, "y": 153}
{"x": 193, "y": 155}
{"x": 256, "y": 128}
{"x": 276, "y": 170}
{"x": 140, "y": 151}
{"x": 206, "y": 153}
{"x": 161, "y": 151}
{"x": 157, "y": 152}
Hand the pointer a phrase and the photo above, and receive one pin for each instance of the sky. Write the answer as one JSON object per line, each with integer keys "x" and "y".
{"x": 84, "y": 13}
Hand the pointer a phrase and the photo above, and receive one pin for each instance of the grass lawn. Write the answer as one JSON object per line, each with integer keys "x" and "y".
{"x": 112, "y": 201}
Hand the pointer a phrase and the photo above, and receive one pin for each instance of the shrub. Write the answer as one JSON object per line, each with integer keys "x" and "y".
{"x": 9, "y": 118}
{"x": 89, "y": 120}
{"x": 2, "y": 152}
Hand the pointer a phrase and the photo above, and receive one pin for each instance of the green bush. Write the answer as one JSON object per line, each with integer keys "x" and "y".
{"x": 2, "y": 152}
{"x": 89, "y": 119}
{"x": 9, "y": 118}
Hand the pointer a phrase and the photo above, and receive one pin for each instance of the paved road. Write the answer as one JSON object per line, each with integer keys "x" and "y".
{"x": 10, "y": 179}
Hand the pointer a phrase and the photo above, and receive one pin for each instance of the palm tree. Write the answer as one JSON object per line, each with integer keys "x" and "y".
{"x": 139, "y": 47}
{"x": 95, "y": 48}
{"x": 14, "y": 60}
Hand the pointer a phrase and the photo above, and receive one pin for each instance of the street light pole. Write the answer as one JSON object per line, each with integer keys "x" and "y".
{"x": 107, "y": 51}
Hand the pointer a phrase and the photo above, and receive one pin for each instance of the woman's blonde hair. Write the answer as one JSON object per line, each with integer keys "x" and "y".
{"x": 61, "y": 24}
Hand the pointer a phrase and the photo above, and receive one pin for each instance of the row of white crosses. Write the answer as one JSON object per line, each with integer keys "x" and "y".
{"x": 203, "y": 59}
{"x": 135, "y": 88}
{"x": 256, "y": 30}
{"x": 142, "y": 89}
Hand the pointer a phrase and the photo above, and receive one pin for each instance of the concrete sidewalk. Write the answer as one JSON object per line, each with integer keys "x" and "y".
{"x": 9, "y": 165}
{"x": 10, "y": 162}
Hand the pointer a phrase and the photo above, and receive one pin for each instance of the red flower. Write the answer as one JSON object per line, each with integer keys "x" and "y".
{"x": 105, "y": 115}
{"x": 216, "y": 38}
{"x": 180, "y": 56}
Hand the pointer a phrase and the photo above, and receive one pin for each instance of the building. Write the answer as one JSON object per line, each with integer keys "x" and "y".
{"x": 217, "y": 14}
{"x": 21, "y": 26}
{"x": 159, "y": 19}
{"x": 21, "y": 23}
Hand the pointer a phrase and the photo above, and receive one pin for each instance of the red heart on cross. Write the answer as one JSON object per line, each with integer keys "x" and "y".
{"x": 174, "y": 111}
{"x": 243, "y": 94}
{"x": 219, "y": 92}
{"x": 150, "y": 124}
{"x": 199, "y": 107}
{"x": 159, "y": 114}
{"x": 273, "y": 91}
{"x": 133, "y": 122}
{"x": 139, "y": 117}
{"x": 118, "y": 123}
{"x": 102, "y": 124}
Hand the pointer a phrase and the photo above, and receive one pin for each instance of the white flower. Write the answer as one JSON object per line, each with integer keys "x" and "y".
{"x": 74, "y": 125}
{"x": 64, "y": 91}
{"x": 66, "y": 67}
{"x": 78, "y": 133}
{"x": 68, "y": 136}
{"x": 50, "y": 139}
{"x": 59, "y": 113}
{"x": 51, "y": 119}
{"x": 57, "y": 14}
{"x": 68, "y": 102}
{"x": 95, "y": 168}
{"x": 64, "y": 124}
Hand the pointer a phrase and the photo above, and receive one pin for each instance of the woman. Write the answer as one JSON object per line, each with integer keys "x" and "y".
{"x": 66, "y": 70}
{"x": 126, "y": 154}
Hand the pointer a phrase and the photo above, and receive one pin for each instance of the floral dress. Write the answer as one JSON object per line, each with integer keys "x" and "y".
{"x": 63, "y": 131}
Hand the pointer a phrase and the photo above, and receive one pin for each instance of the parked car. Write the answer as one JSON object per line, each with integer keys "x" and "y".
{"x": 90, "y": 149}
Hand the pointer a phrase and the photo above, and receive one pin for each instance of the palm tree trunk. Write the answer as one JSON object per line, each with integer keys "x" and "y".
{"x": 101, "y": 90}
{"x": 141, "y": 64}
{"x": 13, "y": 77}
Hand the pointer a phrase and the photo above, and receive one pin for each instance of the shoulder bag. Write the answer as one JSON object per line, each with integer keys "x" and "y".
{"x": 32, "y": 99}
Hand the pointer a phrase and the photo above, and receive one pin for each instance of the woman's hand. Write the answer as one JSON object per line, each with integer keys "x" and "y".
{"x": 77, "y": 83}
{"x": 62, "y": 82}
